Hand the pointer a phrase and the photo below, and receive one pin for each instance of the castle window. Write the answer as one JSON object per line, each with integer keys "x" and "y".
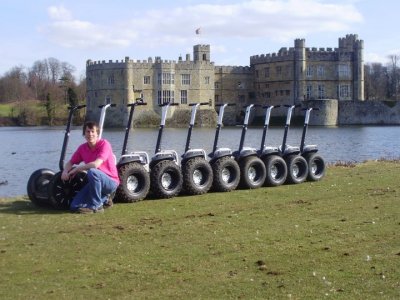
{"x": 185, "y": 79}
{"x": 344, "y": 71}
{"x": 309, "y": 92}
{"x": 266, "y": 72}
{"x": 204, "y": 56}
{"x": 166, "y": 78}
{"x": 146, "y": 80}
{"x": 257, "y": 74}
{"x": 320, "y": 71}
{"x": 183, "y": 96}
{"x": 278, "y": 70}
{"x": 111, "y": 80}
{"x": 309, "y": 71}
{"x": 267, "y": 95}
{"x": 207, "y": 80}
{"x": 216, "y": 85}
{"x": 108, "y": 100}
{"x": 344, "y": 91}
{"x": 321, "y": 91}
{"x": 165, "y": 96}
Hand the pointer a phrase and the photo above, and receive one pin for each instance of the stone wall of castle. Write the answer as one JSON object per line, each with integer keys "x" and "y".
{"x": 369, "y": 113}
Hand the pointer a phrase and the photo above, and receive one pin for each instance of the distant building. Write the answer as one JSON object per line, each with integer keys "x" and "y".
{"x": 288, "y": 77}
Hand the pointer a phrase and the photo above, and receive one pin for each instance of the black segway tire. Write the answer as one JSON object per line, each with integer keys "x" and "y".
{"x": 252, "y": 172}
{"x": 166, "y": 179}
{"x": 297, "y": 169}
{"x": 197, "y": 176}
{"x": 276, "y": 170}
{"x": 134, "y": 185}
{"x": 62, "y": 192}
{"x": 226, "y": 173}
{"x": 316, "y": 166}
{"x": 37, "y": 187}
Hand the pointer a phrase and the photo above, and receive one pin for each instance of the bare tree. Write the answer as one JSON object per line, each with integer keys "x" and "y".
{"x": 394, "y": 76}
{"x": 376, "y": 81}
{"x": 55, "y": 69}
{"x": 13, "y": 85}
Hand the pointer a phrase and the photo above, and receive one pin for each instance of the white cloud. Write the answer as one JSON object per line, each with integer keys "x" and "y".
{"x": 65, "y": 31}
{"x": 59, "y": 13}
{"x": 279, "y": 20}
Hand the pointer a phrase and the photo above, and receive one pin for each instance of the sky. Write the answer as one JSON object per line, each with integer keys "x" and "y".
{"x": 74, "y": 31}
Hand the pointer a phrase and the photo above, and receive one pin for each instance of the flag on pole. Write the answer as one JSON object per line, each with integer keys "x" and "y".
{"x": 198, "y": 30}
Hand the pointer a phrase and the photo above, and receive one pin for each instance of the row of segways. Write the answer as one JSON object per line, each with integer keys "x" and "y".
{"x": 166, "y": 174}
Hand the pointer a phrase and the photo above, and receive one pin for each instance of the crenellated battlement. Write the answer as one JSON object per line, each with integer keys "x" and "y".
{"x": 233, "y": 69}
{"x": 127, "y": 62}
{"x": 347, "y": 46}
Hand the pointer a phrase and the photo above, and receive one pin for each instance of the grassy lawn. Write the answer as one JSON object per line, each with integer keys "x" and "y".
{"x": 338, "y": 238}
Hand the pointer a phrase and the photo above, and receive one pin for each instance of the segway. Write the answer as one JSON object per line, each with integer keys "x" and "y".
{"x": 315, "y": 162}
{"x": 165, "y": 172}
{"x": 62, "y": 192}
{"x": 196, "y": 170}
{"x": 252, "y": 168}
{"x": 133, "y": 167}
{"x": 38, "y": 183}
{"x": 226, "y": 170}
{"x": 296, "y": 164}
{"x": 275, "y": 165}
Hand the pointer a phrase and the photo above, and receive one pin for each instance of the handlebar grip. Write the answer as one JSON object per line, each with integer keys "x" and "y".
{"x": 77, "y": 107}
{"x": 112, "y": 105}
{"x": 254, "y": 105}
{"x": 274, "y": 106}
{"x": 228, "y": 104}
{"x": 166, "y": 103}
{"x": 288, "y": 105}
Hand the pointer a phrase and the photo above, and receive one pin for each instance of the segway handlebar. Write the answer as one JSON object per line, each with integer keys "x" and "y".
{"x": 227, "y": 104}
{"x": 109, "y": 104}
{"x": 168, "y": 103}
{"x": 288, "y": 105}
{"x": 77, "y": 107}
{"x": 311, "y": 108}
{"x": 252, "y": 105}
{"x": 200, "y": 103}
{"x": 137, "y": 103}
{"x": 273, "y": 106}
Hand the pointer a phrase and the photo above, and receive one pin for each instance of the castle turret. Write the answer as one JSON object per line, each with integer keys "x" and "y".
{"x": 201, "y": 53}
{"x": 299, "y": 70}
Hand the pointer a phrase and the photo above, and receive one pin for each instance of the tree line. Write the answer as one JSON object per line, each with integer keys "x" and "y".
{"x": 50, "y": 82}
{"x": 381, "y": 81}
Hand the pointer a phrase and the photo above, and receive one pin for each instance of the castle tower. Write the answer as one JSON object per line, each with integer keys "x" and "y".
{"x": 358, "y": 71}
{"x": 201, "y": 53}
{"x": 299, "y": 70}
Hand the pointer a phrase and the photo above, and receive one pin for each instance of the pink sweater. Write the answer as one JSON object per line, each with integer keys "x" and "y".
{"x": 103, "y": 151}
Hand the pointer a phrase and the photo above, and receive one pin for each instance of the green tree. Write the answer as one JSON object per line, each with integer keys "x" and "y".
{"x": 50, "y": 109}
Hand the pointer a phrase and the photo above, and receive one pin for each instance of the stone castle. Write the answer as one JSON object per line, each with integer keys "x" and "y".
{"x": 298, "y": 75}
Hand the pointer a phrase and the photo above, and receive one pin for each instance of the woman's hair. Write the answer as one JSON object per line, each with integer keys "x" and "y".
{"x": 91, "y": 125}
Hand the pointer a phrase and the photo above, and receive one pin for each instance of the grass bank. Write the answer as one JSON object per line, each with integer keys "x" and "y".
{"x": 338, "y": 238}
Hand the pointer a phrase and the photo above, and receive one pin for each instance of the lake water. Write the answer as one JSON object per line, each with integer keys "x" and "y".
{"x": 24, "y": 150}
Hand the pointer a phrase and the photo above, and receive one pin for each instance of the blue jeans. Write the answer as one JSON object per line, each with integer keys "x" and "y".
{"x": 95, "y": 192}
